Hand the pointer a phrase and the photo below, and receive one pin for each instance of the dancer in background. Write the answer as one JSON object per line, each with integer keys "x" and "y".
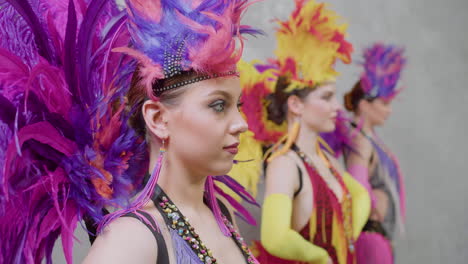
{"x": 93, "y": 99}
{"x": 370, "y": 161}
{"x": 313, "y": 210}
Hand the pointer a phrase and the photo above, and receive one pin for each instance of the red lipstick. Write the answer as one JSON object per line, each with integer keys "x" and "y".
{"x": 232, "y": 148}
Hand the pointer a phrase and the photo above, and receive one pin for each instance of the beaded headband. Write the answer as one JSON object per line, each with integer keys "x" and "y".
{"x": 159, "y": 88}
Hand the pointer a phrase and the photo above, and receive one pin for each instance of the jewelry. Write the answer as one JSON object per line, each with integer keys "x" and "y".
{"x": 181, "y": 225}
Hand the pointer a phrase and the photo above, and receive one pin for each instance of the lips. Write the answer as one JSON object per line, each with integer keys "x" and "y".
{"x": 232, "y": 148}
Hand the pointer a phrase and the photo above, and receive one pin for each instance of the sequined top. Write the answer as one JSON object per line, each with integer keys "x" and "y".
{"x": 181, "y": 248}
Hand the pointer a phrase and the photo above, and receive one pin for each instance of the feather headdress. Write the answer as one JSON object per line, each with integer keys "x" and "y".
{"x": 66, "y": 148}
{"x": 309, "y": 44}
{"x": 382, "y": 69}
{"x": 172, "y": 37}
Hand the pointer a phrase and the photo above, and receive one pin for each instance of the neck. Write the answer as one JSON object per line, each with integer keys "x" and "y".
{"x": 182, "y": 186}
{"x": 367, "y": 127}
{"x": 307, "y": 140}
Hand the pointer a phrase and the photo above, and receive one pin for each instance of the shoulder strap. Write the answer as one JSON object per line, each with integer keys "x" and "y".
{"x": 296, "y": 193}
{"x": 225, "y": 210}
{"x": 163, "y": 255}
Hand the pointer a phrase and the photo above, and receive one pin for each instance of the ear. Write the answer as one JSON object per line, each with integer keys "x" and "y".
{"x": 295, "y": 105}
{"x": 155, "y": 115}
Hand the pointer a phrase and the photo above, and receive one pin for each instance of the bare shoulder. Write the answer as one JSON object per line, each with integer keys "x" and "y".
{"x": 282, "y": 175}
{"x": 125, "y": 240}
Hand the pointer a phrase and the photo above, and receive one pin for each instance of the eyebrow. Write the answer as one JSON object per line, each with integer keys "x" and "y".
{"x": 223, "y": 93}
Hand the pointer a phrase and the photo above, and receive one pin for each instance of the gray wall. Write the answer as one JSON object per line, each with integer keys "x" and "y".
{"x": 428, "y": 125}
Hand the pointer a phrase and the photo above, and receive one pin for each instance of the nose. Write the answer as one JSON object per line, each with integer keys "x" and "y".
{"x": 238, "y": 125}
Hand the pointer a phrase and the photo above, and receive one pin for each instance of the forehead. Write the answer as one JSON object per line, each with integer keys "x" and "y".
{"x": 324, "y": 88}
{"x": 226, "y": 85}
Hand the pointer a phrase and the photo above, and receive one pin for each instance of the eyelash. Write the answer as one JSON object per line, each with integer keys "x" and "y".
{"x": 218, "y": 103}
{"x": 221, "y": 103}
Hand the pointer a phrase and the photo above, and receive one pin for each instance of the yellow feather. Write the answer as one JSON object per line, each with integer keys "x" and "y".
{"x": 314, "y": 53}
{"x": 247, "y": 173}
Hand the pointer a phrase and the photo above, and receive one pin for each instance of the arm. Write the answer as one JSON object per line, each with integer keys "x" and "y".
{"x": 277, "y": 236}
{"x": 126, "y": 240}
{"x": 357, "y": 164}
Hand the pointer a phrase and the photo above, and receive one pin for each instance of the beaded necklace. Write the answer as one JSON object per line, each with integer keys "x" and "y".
{"x": 179, "y": 223}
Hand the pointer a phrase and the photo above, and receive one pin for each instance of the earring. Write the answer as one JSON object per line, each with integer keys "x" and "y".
{"x": 291, "y": 138}
{"x": 162, "y": 148}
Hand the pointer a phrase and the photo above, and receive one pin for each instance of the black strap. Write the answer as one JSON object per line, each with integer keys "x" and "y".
{"x": 296, "y": 193}
{"x": 225, "y": 210}
{"x": 163, "y": 255}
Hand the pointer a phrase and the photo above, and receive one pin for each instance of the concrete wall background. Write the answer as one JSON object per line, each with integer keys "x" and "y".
{"x": 429, "y": 123}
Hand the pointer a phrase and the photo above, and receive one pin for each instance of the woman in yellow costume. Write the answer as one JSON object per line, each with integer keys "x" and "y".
{"x": 313, "y": 210}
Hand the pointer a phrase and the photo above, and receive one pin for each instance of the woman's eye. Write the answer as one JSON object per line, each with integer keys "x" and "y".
{"x": 218, "y": 106}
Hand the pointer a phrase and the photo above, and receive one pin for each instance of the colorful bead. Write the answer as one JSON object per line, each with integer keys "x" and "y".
{"x": 187, "y": 232}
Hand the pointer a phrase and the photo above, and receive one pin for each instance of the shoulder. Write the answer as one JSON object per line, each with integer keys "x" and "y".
{"x": 282, "y": 174}
{"x": 124, "y": 240}
{"x": 286, "y": 160}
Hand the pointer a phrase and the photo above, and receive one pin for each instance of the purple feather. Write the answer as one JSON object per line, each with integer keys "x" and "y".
{"x": 53, "y": 148}
{"x": 232, "y": 184}
{"x": 210, "y": 196}
{"x": 382, "y": 68}
{"x": 70, "y": 53}
{"x": 15, "y": 35}
{"x": 40, "y": 36}
{"x": 239, "y": 209}
{"x": 84, "y": 48}
{"x": 340, "y": 139}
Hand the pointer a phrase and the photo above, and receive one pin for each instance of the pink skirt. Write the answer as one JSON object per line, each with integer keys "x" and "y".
{"x": 373, "y": 248}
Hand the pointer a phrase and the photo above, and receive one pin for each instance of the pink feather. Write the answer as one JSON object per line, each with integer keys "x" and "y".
{"x": 149, "y": 9}
{"x": 148, "y": 70}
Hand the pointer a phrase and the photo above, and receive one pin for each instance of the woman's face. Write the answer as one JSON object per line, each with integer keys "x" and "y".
{"x": 204, "y": 128}
{"x": 320, "y": 108}
{"x": 377, "y": 111}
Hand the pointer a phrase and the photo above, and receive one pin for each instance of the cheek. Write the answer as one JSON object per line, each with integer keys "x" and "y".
{"x": 197, "y": 140}
{"x": 194, "y": 129}
{"x": 318, "y": 116}
{"x": 382, "y": 111}
{"x": 318, "y": 110}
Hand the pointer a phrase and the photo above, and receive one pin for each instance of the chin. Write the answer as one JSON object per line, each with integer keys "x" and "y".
{"x": 380, "y": 122}
{"x": 328, "y": 128}
{"x": 221, "y": 167}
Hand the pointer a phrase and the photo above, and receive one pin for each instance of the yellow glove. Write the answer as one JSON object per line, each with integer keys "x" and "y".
{"x": 279, "y": 239}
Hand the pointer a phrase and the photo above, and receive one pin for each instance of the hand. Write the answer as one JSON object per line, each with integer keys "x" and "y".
{"x": 376, "y": 216}
{"x": 330, "y": 261}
